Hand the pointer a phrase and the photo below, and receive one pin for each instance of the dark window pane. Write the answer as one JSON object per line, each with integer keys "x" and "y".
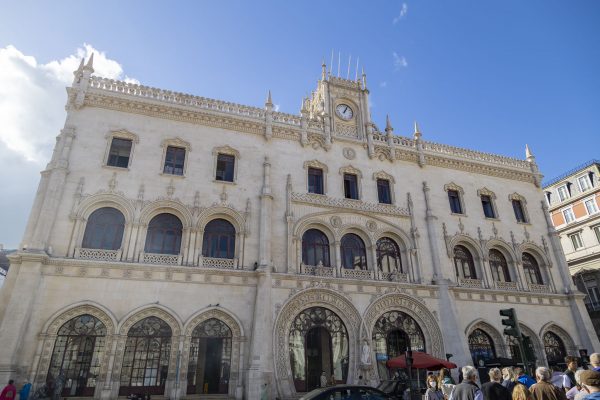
{"x": 219, "y": 239}
{"x": 454, "y": 198}
{"x": 388, "y": 256}
{"x": 225, "y": 167}
{"x": 315, "y": 248}
{"x": 531, "y": 269}
{"x": 350, "y": 186}
{"x": 315, "y": 181}
{"x": 499, "y": 266}
{"x": 119, "y": 153}
{"x": 519, "y": 213}
{"x": 488, "y": 209}
{"x": 463, "y": 263}
{"x": 174, "y": 160}
{"x": 383, "y": 191}
{"x": 104, "y": 229}
{"x": 354, "y": 255}
{"x": 164, "y": 235}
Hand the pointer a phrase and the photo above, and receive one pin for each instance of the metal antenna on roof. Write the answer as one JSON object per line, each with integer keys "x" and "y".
{"x": 349, "y": 60}
{"x": 356, "y": 71}
{"x": 339, "y": 62}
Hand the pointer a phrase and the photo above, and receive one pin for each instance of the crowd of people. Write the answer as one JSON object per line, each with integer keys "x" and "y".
{"x": 514, "y": 384}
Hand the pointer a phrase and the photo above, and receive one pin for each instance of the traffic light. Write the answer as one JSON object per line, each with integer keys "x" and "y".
{"x": 511, "y": 322}
{"x": 528, "y": 348}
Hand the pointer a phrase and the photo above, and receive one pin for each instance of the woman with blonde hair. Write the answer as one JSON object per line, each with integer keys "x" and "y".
{"x": 520, "y": 392}
{"x": 508, "y": 378}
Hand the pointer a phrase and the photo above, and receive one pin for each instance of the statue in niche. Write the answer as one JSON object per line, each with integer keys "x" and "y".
{"x": 365, "y": 355}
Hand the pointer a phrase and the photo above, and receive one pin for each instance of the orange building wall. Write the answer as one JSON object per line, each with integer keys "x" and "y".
{"x": 557, "y": 218}
{"x": 579, "y": 209}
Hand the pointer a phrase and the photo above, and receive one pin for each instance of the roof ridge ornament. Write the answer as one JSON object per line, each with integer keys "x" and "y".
{"x": 417, "y": 132}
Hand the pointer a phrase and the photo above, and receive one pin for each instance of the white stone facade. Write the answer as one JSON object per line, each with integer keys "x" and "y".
{"x": 261, "y": 288}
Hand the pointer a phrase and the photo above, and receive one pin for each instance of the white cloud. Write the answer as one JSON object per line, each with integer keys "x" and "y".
{"x": 403, "y": 11}
{"x": 383, "y": 84}
{"x": 32, "y": 111}
{"x": 276, "y": 107}
{"x": 399, "y": 62}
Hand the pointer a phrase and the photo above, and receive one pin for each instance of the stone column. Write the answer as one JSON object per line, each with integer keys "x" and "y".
{"x": 454, "y": 340}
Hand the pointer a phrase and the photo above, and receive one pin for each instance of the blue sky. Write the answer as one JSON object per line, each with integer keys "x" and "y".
{"x": 485, "y": 75}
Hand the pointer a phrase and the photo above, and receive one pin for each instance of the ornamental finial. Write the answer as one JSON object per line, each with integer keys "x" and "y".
{"x": 417, "y": 132}
{"x": 269, "y": 100}
{"x": 90, "y": 63}
{"x": 388, "y": 125}
{"x": 528, "y": 154}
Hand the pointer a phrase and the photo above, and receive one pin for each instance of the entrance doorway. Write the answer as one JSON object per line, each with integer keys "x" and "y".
{"x": 397, "y": 343}
{"x": 319, "y": 358}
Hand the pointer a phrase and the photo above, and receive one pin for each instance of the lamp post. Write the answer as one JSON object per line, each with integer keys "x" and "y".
{"x": 409, "y": 363}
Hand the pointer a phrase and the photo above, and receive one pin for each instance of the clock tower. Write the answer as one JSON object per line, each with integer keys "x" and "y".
{"x": 343, "y": 105}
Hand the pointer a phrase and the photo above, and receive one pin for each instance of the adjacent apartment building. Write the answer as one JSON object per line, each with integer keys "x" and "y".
{"x": 184, "y": 247}
{"x": 574, "y": 203}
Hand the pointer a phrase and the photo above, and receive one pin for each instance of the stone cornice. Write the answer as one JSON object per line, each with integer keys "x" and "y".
{"x": 126, "y": 97}
{"x": 348, "y": 204}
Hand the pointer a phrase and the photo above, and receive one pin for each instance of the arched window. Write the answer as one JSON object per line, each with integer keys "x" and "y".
{"x": 354, "y": 254}
{"x": 463, "y": 262}
{"x": 555, "y": 349}
{"x": 164, "y": 235}
{"x": 532, "y": 269}
{"x": 481, "y": 346}
{"x": 77, "y": 353}
{"x": 315, "y": 248}
{"x": 318, "y": 342}
{"x": 210, "y": 358}
{"x": 146, "y": 357}
{"x": 499, "y": 266}
{"x": 219, "y": 239}
{"x": 104, "y": 229}
{"x": 393, "y": 333}
{"x": 388, "y": 255}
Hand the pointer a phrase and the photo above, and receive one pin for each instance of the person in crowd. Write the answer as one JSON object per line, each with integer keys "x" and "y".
{"x": 595, "y": 361}
{"x": 569, "y": 375}
{"x": 577, "y": 387}
{"x": 445, "y": 377}
{"x": 557, "y": 376}
{"x": 520, "y": 392}
{"x": 543, "y": 389}
{"x": 24, "y": 392}
{"x": 493, "y": 390}
{"x": 590, "y": 383}
{"x": 508, "y": 378}
{"x": 433, "y": 391}
{"x": 523, "y": 378}
{"x": 467, "y": 389}
{"x": 9, "y": 392}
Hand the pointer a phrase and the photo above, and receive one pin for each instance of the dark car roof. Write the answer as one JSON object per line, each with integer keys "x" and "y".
{"x": 314, "y": 393}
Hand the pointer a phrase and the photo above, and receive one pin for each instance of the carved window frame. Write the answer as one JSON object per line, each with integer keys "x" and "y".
{"x": 486, "y": 192}
{"x": 175, "y": 142}
{"x": 119, "y": 134}
{"x": 461, "y": 194}
{"x": 349, "y": 169}
{"x": 230, "y": 151}
{"x": 385, "y": 176}
{"x": 317, "y": 165}
{"x": 516, "y": 196}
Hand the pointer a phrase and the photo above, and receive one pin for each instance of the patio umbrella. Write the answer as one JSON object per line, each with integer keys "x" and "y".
{"x": 421, "y": 361}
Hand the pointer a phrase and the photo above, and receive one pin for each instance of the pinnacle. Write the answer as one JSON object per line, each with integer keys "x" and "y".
{"x": 388, "y": 124}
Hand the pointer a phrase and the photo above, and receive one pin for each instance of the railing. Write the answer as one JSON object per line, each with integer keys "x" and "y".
{"x": 316, "y": 270}
{"x": 393, "y": 277}
{"x": 98, "y": 254}
{"x": 221, "y": 263}
{"x": 537, "y": 288}
{"x": 357, "y": 273}
{"x": 506, "y": 285}
{"x": 164, "y": 259}
{"x": 475, "y": 155}
{"x": 469, "y": 282}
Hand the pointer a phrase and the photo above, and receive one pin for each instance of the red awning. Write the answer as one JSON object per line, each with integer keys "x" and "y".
{"x": 421, "y": 361}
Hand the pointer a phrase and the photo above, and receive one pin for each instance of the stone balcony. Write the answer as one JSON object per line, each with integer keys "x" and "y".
{"x": 470, "y": 283}
{"x": 506, "y": 285}
{"x": 360, "y": 274}
{"x": 98, "y": 254}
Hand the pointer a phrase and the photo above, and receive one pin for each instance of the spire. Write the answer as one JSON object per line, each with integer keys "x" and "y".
{"x": 528, "y": 154}
{"x": 417, "y": 132}
{"x": 269, "y": 101}
{"x": 388, "y": 125}
{"x": 323, "y": 70}
{"x": 364, "y": 79}
{"x": 81, "y": 64}
{"x": 90, "y": 63}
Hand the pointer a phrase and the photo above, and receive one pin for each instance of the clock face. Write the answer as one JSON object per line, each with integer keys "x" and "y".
{"x": 344, "y": 111}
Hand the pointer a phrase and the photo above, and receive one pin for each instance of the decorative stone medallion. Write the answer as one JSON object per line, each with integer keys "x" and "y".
{"x": 349, "y": 153}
